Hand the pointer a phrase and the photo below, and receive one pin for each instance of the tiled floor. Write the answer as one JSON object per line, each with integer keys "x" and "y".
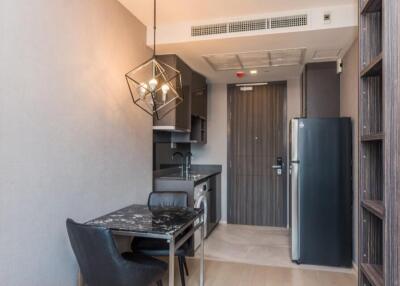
{"x": 246, "y": 255}
{"x": 249, "y": 244}
{"x": 254, "y": 245}
{"x": 218, "y": 273}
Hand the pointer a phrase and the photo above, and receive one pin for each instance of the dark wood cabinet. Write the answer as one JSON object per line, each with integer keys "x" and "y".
{"x": 199, "y": 109}
{"x": 188, "y": 122}
{"x": 179, "y": 120}
{"x": 215, "y": 200}
{"x": 199, "y": 130}
{"x": 199, "y": 95}
{"x": 320, "y": 90}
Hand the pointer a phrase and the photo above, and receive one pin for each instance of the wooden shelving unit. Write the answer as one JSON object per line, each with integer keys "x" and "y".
{"x": 372, "y": 137}
{"x": 369, "y": 6}
{"x": 374, "y": 68}
{"x": 375, "y": 207}
{"x": 374, "y": 274}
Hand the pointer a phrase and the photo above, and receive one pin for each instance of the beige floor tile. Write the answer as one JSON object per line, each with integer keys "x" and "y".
{"x": 258, "y": 256}
{"x": 219, "y": 273}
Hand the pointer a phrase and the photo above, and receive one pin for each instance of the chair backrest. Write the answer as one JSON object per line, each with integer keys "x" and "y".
{"x": 168, "y": 200}
{"x": 95, "y": 251}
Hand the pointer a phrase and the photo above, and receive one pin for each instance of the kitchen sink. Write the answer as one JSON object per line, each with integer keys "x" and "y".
{"x": 188, "y": 177}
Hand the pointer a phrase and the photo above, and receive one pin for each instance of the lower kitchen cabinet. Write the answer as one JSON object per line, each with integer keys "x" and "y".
{"x": 215, "y": 201}
{"x": 208, "y": 177}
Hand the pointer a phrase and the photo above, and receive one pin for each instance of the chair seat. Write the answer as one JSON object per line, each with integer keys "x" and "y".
{"x": 156, "y": 247}
{"x": 146, "y": 260}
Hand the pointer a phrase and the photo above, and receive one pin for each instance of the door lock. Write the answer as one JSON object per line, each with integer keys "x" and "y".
{"x": 279, "y": 166}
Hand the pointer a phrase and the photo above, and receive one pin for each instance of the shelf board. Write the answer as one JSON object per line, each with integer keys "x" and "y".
{"x": 371, "y": 6}
{"x": 375, "y": 207}
{"x": 373, "y": 137}
{"x": 374, "y": 273}
{"x": 374, "y": 68}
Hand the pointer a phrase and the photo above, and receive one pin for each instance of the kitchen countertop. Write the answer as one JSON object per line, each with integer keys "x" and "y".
{"x": 197, "y": 173}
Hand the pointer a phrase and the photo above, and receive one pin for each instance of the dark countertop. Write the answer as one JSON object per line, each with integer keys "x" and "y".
{"x": 197, "y": 174}
{"x": 140, "y": 219}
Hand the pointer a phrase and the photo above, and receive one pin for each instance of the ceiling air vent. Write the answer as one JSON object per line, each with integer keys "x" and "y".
{"x": 256, "y": 59}
{"x": 289, "y": 21}
{"x": 246, "y": 26}
{"x": 212, "y": 29}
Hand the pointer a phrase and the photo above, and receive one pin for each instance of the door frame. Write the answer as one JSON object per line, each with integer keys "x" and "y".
{"x": 285, "y": 148}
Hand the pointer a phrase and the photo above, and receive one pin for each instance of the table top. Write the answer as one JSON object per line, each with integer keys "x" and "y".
{"x": 154, "y": 222}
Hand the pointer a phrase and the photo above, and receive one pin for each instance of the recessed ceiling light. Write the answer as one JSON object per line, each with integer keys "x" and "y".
{"x": 253, "y": 72}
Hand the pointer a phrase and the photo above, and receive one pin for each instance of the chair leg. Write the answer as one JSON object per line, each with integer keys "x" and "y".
{"x": 185, "y": 264}
{"x": 180, "y": 260}
{"x": 159, "y": 283}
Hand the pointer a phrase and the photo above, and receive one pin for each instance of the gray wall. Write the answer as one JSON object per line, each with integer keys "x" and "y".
{"x": 349, "y": 107}
{"x": 215, "y": 151}
{"x": 293, "y": 110}
{"x": 163, "y": 152}
{"x": 322, "y": 90}
{"x": 72, "y": 144}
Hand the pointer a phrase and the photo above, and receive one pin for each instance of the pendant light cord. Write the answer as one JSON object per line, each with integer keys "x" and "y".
{"x": 154, "y": 27}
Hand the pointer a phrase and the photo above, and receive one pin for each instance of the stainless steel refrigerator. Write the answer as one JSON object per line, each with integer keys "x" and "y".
{"x": 321, "y": 191}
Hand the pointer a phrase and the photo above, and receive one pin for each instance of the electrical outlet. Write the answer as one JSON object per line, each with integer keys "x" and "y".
{"x": 327, "y": 18}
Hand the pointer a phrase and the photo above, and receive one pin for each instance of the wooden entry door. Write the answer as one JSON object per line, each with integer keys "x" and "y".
{"x": 257, "y": 192}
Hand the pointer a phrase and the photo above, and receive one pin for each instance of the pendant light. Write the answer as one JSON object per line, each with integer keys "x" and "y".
{"x": 155, "y": 87}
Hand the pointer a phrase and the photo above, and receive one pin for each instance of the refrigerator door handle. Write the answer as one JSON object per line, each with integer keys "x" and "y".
{"x": 295, "y": 192}
{"x": 294, "y": 188}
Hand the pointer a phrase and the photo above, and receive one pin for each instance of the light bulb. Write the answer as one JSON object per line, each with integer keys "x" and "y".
{"x": 142, "y": 90}
{"x": 165, "y": 89}
{"x": 153, "y": 84}
{"x": 150, "y": 101}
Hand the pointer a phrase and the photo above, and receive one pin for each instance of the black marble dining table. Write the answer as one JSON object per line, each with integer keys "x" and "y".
{"x": 161, "y": 223}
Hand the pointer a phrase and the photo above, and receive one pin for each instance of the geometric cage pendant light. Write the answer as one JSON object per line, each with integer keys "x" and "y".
{"x": 155, "y": 87}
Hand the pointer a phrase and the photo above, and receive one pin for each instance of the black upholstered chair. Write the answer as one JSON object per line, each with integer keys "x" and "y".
{"x": 102, "y": 265}
{"x": 158, "y": 247}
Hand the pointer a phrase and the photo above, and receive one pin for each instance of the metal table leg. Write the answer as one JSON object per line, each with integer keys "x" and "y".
{"x": 202, "y": 254}
{"x": 171, "y": 273}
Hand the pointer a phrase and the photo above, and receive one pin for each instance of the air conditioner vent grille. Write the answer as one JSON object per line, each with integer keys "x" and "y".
{"x": 289, "y": 21}
{"x": 250, "y": 25}
{"x": 245, "y": 26}
{"x": 213, "y": 29}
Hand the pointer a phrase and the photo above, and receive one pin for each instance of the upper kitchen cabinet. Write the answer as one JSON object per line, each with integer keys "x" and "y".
{"x": 179, "y": 119}
{"x": 320, "y": 90}
{"x": 199, "y": 109}
{"x": 199, "y": 95}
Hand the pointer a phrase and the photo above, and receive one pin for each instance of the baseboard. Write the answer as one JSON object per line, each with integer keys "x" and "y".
{"x": 355, "y": 268}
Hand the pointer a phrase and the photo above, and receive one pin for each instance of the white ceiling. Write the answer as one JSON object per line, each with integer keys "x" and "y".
{"x": 173, "y": 11}
{"x": 321, "y": 42}
{"x": 314, "y": 41}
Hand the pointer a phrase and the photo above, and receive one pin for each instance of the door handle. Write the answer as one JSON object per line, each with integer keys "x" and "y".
{"x": 279, "y": 166}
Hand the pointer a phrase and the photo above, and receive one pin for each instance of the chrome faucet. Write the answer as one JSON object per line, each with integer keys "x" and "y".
{"x": 188, "y": 160}
{"x": 182, "y": 161}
